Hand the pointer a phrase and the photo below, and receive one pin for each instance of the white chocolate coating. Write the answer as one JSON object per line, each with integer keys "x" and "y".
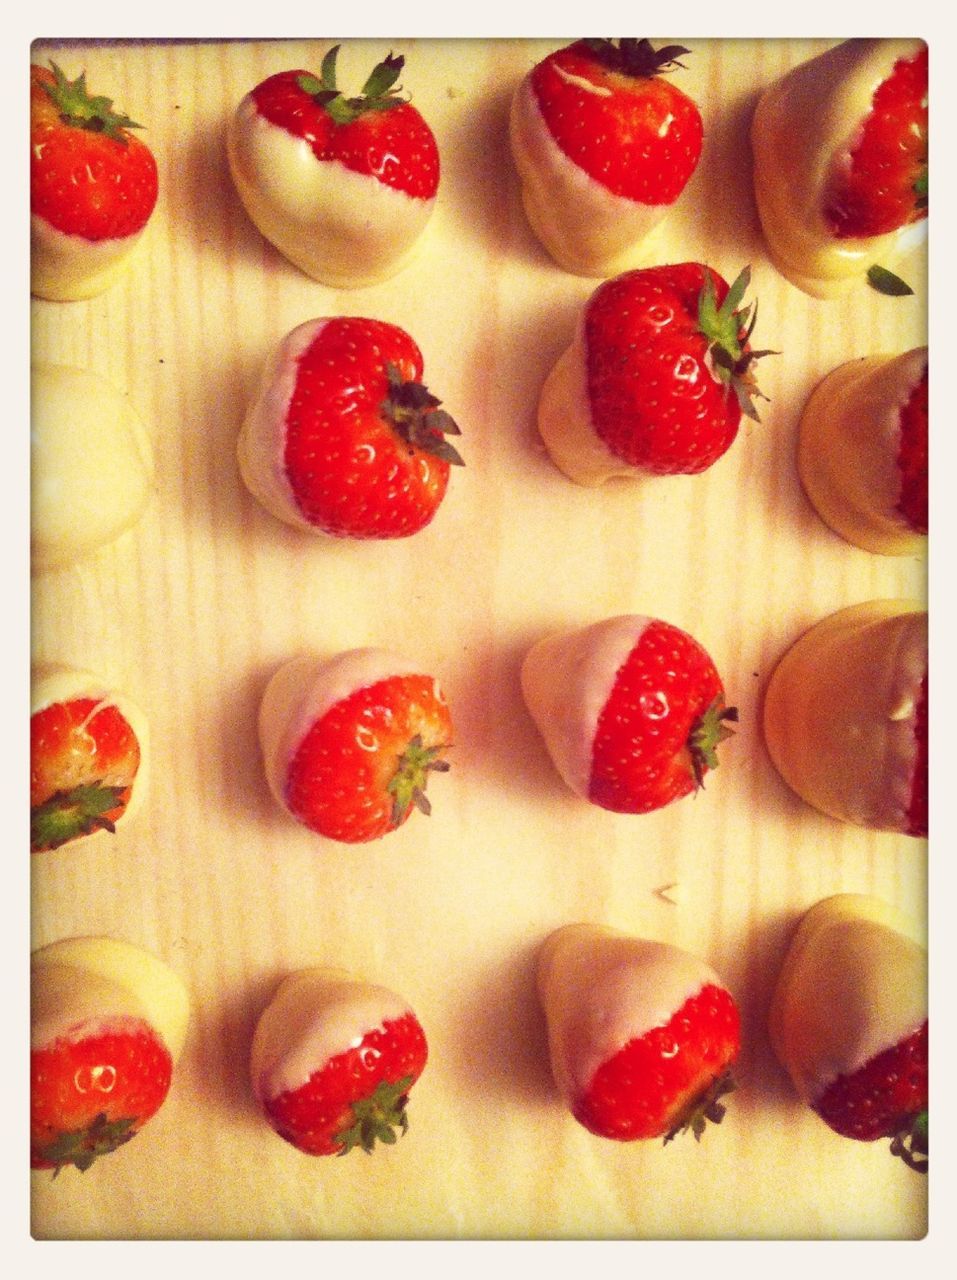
{"x": 601, "y": 989}
{"x": 840, "y": 711}
{"x": 91, "y": 461}
{"x": 68, "y": 268}
{"x": 853, "y": 984}
{"x": 567, "y": 679}
{"x": 94, "y": 982}
{"x": 303, "y": 690}
{"x": 805, "y": 127}
{"x": 585, "y": 227}
{"x": 315, "y": 1014}
{"x": 53, "y": 683}
{"x": 847, "y": 452}
{"x": 342, "y": 228}
{"x": 261, "y": 449}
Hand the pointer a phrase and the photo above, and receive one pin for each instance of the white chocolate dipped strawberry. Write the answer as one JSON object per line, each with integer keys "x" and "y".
{"x": 91, "y": 464}
{"x": 604, "y": 145}
{"x": 89, "y": 757}
{"x": 862, "y": 452}
{"x": 348, "y": 743}
{"x": 333, "y": 1059}
{"x": 848, "y": 1022}
{"x": 845, "y": 716}
{"x": 631, "y": 710}
{"x": 342, "y": 186}
{"x": 840, "y": 162}
{"x": 108, "y": 1023}
{"x": 641, "y": 1035}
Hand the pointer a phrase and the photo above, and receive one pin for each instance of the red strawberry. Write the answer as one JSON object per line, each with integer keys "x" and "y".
{"x": 333, "y": 1059}
{"x": 848, "y": 1021}
{"x": 603, "y": 146}
{"x": 89, "y": 178}
{"x": 641, "y": 1035}
{"x": 656, "y": 379}
{"x": 917, "y": 808}
{"x": 631, "y": 710}
{"x": 343, "y": 186}
{"x": 348, "y": 745}
{"x": 912, "y": 457}
{"x": 343, "y": 438}
{"x": 885, "y": 185}
{"x": 85, "y": 755}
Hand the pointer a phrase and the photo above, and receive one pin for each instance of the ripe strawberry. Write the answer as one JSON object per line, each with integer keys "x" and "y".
{"x": 348, "y": 745}
{"x": 93, "y": 1089}
{"x": 912, "y": 457}
{"x": 631, "y": 710}
{"x": 641, "y": 1035}
{"x": 884, "y": 187}
{"x": 89, "y": 178}
{"x": 343, "y": 438}
{"x": 343, "y": 186}
{"x": 85, "y": 755}
{"x": 333, "y": 1059}
{"x": 603, "y": 146}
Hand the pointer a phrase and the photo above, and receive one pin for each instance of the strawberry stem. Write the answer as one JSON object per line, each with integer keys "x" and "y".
{"x": 77, "y": 108}
{"x": 707, "y": 732}
{"x": 414, "y": 413}
{"x": 911, "y": 1142}
{"x": 706, "y": 1106}
{"x": 379, "y": 93}
{"x": 81, "y": 1147}
{"x": 728, "y": 329}
{"x": 377, "y": 1117}
{"x": 66, "y": 815}
{"x": 407, "y": 785}
{"x": 637, "y": 58}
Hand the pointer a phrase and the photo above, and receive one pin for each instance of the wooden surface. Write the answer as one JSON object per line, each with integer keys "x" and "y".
{"x": 193, "y": 611}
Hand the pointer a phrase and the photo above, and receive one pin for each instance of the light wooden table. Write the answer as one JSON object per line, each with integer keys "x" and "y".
{"x": 194, "y": 610}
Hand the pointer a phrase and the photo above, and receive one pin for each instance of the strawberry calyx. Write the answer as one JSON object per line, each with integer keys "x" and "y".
{"x": 702, "y": 1108}
{"x": 707, "y": 732}
{"x": 81, "y": 1147}
{"x": 377, "y": 1117}
{"x": 379, "y": 93}
{"x": 728, "y": 329}
{"x": 66, "y": 815}
{"x": 407, "y": 785}
{"x": 415, "y": 414}
{"x": 636, "y": 58}
{"x": 910, "y": 1143}
{"x": 80, "y": 110}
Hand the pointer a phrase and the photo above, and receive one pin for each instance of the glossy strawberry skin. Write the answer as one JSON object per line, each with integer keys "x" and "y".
{"x": 396, "y": 147}
{"x": 85, "y": 183}
{"x": 121, "y": 1074}
{"x": 351, "y": 473}
{"x": 646, "y": 1089}
{"x": 653, "y": 398}
{"x": 912, "y": 457}
{"x": 640, "y": 756}
{"x": 642, "y": 141}
{"x": 881, "y": 191}
{"x": 880, "y": 1099}
{"x": 313, "y": 1117}
{"x": 337, "y": 782}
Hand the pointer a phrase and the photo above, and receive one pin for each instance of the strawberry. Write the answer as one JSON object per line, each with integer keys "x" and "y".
{"x": 85, "y": 758}
{"x": 656, "y": 379}
{"x": 603, "y": 146}
{"x": 884, "y": 187}
{"x": 642, "y": 1036}
{"x": 342, "y": 186}
{"x": 631, "y": 709}
{"x": 848, "y": 1022}
{"x": 912, "y": 457}
{"x": 349, "y": 744}
{"x": 332, "y": 1062}
{"x": 343, "y": 438}
{"x": 93, "y": 186}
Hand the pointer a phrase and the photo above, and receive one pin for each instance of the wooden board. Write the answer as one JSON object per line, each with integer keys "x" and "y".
{"x": 193, "y": 611}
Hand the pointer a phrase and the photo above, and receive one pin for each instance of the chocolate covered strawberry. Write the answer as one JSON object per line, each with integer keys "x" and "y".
{"x": 343, "y": 437}
{"x": 348, "y": 744}
{"x": 642, "y": 1036}
{"x": 604, "y": 144}
{"x": 93, "y": 187}
{"x": 657, "y": 376}
{"x": 632, "y": 711}
{"x": 333, "y": 1059}
{"x": 342, "y": 185}
{"x": 848, "y": 1022}
{"x": 88, "y": 757}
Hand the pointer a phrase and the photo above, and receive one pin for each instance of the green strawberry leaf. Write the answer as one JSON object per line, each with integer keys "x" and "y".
{"x": 886, "y": 282}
